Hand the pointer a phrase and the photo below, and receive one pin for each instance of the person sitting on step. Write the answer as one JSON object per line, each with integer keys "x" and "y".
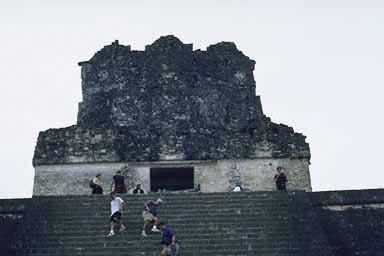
{"x": 237, "y": 188}
{"x": 150, "y": 215}
{"x": 280, "y": 179}
{"x": 170, "y": 244}
{"x": 116, "y": 210}
{"x": 138, "y": 189}
{"x": 96, "y": 185}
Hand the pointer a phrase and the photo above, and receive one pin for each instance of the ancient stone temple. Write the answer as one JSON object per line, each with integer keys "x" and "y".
{"x": 172, "y": 118}
{"x": 182, "y": 120}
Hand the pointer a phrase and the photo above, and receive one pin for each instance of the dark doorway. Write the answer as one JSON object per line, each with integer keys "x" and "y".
{"x": 171, "y": 179}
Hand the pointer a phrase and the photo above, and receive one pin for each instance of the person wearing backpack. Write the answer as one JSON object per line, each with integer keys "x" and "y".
{"x": 96, "y": 185}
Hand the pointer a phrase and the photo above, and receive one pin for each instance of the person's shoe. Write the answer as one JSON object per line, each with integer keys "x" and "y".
{"x": 122, "y": 228}
{"x": 111, "y": 234}
{"x": 143, "y": 234}
{"x": 154, "y": 229}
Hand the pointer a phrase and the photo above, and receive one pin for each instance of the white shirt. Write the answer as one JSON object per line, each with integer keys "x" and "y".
{"x": 96, "y": 181}
{"x": 116, "y": 205}
{"x": 237, "y": 189}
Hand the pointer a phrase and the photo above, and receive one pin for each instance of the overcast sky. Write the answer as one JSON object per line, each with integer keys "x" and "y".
{"x": 319, "y": 69}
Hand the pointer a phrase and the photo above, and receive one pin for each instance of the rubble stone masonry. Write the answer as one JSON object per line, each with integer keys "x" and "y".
{"x": 170, "y": 104}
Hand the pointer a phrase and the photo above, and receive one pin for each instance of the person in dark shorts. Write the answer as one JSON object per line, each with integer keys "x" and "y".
{"x": 150, "y": 215}
{"x": 280, "y": 179}
{"x": 116, "y": 210}
{"x": 170, "y": 245}
{"x": 138, "y": 190}
{"x": 118, "y": 183}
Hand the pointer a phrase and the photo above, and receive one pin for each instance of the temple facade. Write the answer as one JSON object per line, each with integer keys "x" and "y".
{"x": 170, "y": 118}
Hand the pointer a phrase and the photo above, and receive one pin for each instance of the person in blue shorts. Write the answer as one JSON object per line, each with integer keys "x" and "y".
{"x": 170, "y": 245}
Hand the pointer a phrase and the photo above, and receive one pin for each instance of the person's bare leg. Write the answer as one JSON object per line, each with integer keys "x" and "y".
{"x": 111, "y": 233}
{"x": 156, "y": 222}
{"x": 163, "y": 253}
{"x": 122, "y": 227}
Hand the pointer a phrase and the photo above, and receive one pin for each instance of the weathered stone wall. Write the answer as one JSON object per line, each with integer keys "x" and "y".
{"x": 212, "y": 176}
{"x": 75, "y": 145}
{"x": 352, "y": 220}
{"x": 169, "y": 103}
{"x": 73, "y": 179}
{"x": 11, "y": 216}
{"x": 253, "y": 174}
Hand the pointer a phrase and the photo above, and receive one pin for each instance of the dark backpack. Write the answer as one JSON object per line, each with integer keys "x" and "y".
{"x": 91, "y": 184}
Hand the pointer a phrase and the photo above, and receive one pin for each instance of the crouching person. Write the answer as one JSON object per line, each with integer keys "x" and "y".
{"x": 96, "y": 185}
{"x": 170, "y": 245}
{"x": 150, "y": 216}
{"x": 116, "y": 210}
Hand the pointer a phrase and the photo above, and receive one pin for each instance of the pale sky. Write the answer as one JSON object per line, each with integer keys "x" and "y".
{"x": 319, "y": 68}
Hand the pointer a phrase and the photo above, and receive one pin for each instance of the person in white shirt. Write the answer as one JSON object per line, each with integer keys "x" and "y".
{"x": 237, "y": 188}
{"x": 116, "y": 209}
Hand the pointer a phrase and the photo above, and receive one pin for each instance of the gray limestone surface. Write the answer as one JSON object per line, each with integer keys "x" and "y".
{"x": 169, "y": 102}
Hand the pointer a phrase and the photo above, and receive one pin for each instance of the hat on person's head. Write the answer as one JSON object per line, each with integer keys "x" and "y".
{"x": 118, "y": 171}
{"x": 279, "y": 168}
{"x": 159, "y": 201}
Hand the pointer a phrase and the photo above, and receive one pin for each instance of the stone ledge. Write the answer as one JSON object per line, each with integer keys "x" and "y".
{"x": 347, "y": 197}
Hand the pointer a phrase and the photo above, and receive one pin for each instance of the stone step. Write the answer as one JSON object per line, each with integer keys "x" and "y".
{"x": 165, "y": 198}
{"x": 124, "y": 241}
{"x": 135, "y": 232}
{"x": 181, "y": 216}
{"x": 179, "y": 220}
{"x": 180, "y": 225}
{"x": 155, "y": 237}
{"x": 213, "y": 195}
{"x": 178, "y": 209}
{"x": 213, "y": 229}
{"x": 149, "y": 248}
{"x": 195, "y": 214}
{"x": 191, "y": 211}
{"x": 135, "y": 236}
{"x": 213, "y": 252}
{"x": 170, "y": 206}
{"x": 175, "y": 209}
{"x": 177, "y": 223}
{"x": 255, "y": 223}
{"x": 240, "y": 248}
{"x": 174, "y": 197}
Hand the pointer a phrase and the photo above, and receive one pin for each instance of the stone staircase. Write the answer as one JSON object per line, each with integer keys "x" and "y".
{"x": 211, "y": 224}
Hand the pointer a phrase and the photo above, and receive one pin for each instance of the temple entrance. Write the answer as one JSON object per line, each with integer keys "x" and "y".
{"x": 171, "y": 179}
